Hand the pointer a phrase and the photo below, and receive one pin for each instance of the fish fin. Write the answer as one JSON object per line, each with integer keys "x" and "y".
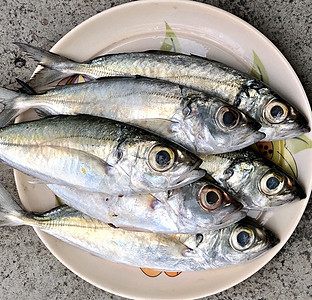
{"x": 45, "y": 79}
{"x": 162, "y": 127}
{"x": 206, "y": 58}
{"x": 162, "y": 52}
{"x": 167, "y": 53}
{"x": 25, "y": 88}
{"x": 9, "y": 209}
{"x": 43, "y": 57}
{"x": 41, "y": 114}
{"x": 142, "y": 77}
{"x": 160, "y": 196}
{"x": 37, "y": 181}
{"x": 87, "y": 171}
{"x": 53, "y": 67}
{"x": 7, "y": 112}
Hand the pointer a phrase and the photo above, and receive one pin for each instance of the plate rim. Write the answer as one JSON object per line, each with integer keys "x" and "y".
{"x": 102, "y": 14}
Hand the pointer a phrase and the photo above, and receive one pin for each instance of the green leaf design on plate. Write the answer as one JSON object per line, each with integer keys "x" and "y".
{"x": 58, "y": 201}
{"x": 171, "y": 42}
{"x": 298, "y": 144}
{"x": 277, "y": 152}
{"x": 284, "y": 158}
{"x": 258, "y": 69}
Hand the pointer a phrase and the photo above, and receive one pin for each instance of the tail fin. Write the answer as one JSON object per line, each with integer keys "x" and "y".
{"x": 7, "y": 110}
{"x": 53, "y": 67}
{"x": 10, "y": 211}
{"x": 43, "y": 57}
{"x": 25, "y": 88}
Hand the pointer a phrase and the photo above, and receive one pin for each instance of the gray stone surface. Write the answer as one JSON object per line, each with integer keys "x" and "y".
{"x": 27, "y": 269}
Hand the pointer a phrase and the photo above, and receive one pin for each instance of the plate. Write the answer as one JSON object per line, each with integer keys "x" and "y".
{"x": 196, "y": 28}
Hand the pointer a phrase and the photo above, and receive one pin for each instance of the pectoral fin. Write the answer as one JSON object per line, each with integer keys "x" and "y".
{"x": 161, "y": 196}
{"x": 74, "y": 168}
{"x": 162, "y": 127}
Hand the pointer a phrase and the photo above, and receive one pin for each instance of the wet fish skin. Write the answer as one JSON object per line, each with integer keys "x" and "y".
{"x": 246, "y": 175}
{"x": 96, "y": 154}
{"x": 231, "y": 246}
{"x": 182, "y": 252}
{"x": 260, "y": 101}
{"x": 279, "y": 119}
{"x": 185, "y": 116}
{"x": 175, "y": 211}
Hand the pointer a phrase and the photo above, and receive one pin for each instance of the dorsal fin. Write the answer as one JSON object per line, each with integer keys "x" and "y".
{"x": 25, "y": 88}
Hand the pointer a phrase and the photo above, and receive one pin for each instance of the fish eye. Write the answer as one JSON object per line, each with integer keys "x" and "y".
{"x": 210, "y": 198}
{"x": 276, "y": 112}
{"x": 272, "y": 183}
{"x": 242, "y": 238}
{"x": 161, "y": 158}
{"x": 228, "y": 117}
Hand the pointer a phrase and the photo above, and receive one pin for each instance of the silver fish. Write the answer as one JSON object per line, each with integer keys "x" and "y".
{"x": 97, "y": 154}
{"x": 279, "y": 120}
{"x": 255, "y": 181}
{"x": 236, "y": 244}
{"x": 197, "y": 207}
{"x": 201, "y": 123}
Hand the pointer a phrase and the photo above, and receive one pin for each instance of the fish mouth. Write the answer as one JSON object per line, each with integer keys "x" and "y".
{"x": 189, "y": 177}
{"x": 297, "y": 194}
{"x": 297, "y": 125}
{"x": 285, "y": 134}
{"x": 233, "y": 217}
{"x": 300, "y": 193}
{"x": 272, "y": 239}
{"x": 252, "y": 139}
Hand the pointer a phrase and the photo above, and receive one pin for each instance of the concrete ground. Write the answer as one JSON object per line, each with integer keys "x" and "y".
{"x": 27, "y": 269}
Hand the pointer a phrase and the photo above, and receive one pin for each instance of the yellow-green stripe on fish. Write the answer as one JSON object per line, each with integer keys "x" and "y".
{"x": 197, "y": 207}
{"x": 278, "y": 119}
{"x": 252, "y": 179}
{"x": 97, "y": 154}
{"x": 235, "y": 244}
{"x": 199, "y": 122}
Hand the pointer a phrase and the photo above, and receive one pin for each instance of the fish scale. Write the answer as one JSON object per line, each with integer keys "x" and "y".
{"x": 83, "y": 150}
{"x": 180, "y": 252}
{"x": 243, "y": 174}
{"x": 245, "y": 92}
{"x": 185, "y": 116}
{"x": 179, "y": 211}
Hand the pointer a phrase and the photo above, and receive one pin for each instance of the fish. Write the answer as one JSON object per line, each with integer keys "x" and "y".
{"x": 238, "y": 243}
{"x": 197, "y": 207}
{"x": 255, "y": 181}
{"x": 96, "y": 154}
{"x": 201, "y": 123}
{"x": 278, "y": 118}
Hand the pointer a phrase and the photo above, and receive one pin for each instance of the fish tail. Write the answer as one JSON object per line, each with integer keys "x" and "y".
{"x": 10, "y": 211}
{"x": 7, "y": 110}
{"x": 53, "y": 67}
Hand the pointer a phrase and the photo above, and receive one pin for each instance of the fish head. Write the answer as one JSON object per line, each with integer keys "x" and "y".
{"x": 262, "y": 186}
{"x": 208, "y": 206}
{"x": 215, "y": 127}
{"x": 278, "y": 118}
{"x": 155, "y": 164}
{"x": 242, "y": 242}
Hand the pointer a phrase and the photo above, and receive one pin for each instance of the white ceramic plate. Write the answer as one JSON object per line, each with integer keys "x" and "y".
{"x": 204, "y": 30}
